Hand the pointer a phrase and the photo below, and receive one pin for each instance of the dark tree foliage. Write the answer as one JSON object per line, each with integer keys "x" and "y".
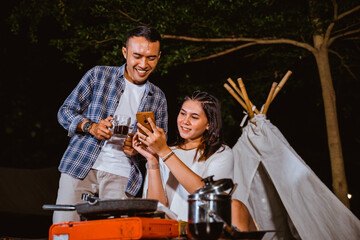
{"x": 89, "y": 32}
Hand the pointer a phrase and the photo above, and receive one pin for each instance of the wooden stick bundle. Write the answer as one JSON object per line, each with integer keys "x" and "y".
{"x": 231, "y": 91}
{"x": 240, "y": 93}
{"x": 244, "y": 100}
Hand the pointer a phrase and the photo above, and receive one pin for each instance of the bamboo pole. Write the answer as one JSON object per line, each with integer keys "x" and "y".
{"x": 281, "y": 84}
{"x": 240, "y": 93}
{"x": 270, "y": 97}
{"x": 246, "y": 97}
{"x": 231, "y": 91}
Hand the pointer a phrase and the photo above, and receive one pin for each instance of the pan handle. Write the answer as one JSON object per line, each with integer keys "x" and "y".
{"x": 59, "y": 207}
{"x": 91, "y": 199}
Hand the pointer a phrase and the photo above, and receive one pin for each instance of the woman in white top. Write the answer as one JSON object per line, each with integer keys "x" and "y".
{"x": 198, "y": 153}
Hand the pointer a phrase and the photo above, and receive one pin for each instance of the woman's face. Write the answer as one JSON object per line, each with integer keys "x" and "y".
{"x": 192, "y": 121}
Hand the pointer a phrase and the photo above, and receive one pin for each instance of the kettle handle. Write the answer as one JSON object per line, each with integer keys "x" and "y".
{"x": 233, "y": 189}
{"x": 208, "y": 180}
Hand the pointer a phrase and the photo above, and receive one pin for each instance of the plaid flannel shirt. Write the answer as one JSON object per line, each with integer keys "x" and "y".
{"x": 95, "y": 98}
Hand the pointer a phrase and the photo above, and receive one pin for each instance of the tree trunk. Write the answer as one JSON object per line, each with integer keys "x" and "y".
{"x": 337, "y": 162}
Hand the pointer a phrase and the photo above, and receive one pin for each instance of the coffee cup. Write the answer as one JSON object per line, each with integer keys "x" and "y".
{"x": 121, "y": 124}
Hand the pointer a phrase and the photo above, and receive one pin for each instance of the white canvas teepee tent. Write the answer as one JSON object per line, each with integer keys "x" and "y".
{"x": 280, "y": 190}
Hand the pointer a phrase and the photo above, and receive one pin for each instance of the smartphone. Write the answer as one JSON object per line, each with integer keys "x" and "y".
{"x": 142, "y": 118}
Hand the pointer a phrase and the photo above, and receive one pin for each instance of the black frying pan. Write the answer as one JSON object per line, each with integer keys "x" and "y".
{"x": 110, "y": 207}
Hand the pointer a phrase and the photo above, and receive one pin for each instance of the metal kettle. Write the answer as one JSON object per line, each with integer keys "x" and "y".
{"x": 209, "y": 208}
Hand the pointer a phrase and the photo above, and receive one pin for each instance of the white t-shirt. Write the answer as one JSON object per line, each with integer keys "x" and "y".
{"x": 112, "y": 158}
{"x": 220, "y": 164}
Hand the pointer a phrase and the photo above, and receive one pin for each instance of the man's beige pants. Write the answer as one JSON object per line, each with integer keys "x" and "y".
{"x": 106, "y": 185}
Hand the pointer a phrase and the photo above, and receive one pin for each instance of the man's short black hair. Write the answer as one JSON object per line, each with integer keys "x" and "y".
{"x": 149, "y": 33}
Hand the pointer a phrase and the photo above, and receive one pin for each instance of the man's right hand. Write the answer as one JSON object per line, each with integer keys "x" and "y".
{"x": 101, "y": 130}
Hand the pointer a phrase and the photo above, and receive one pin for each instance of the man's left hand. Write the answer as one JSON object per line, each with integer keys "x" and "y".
{"x": 128, "y": 148}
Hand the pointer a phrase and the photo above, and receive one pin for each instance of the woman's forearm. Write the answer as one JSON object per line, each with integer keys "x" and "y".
{"x": 155, "y": 186}
{"x": 185, "y": 176}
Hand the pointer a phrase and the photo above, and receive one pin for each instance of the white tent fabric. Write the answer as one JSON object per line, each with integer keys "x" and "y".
{"x": 282, "y": 192}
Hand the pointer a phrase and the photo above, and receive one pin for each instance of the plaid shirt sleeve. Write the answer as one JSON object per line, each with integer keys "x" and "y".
{"x": 70, "y": 113}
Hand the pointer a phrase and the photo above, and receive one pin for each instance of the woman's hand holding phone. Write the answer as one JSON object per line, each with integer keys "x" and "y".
{"x": 155, "y": 138}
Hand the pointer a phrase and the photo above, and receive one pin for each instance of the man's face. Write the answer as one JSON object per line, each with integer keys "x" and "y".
{"x": 141, "y": 57}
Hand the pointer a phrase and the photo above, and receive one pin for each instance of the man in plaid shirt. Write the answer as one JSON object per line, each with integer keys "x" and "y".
{"x": 91, "y": 164}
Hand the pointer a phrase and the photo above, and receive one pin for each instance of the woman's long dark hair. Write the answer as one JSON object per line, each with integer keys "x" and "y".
{"x": 212, "y": 139}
